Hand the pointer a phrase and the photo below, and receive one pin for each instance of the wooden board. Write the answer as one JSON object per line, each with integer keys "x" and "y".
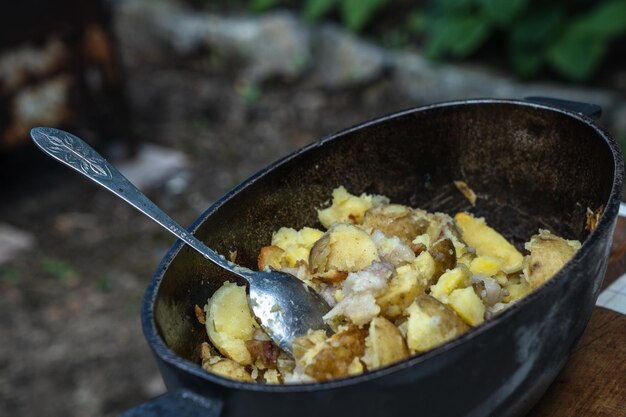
{"x": 593, "y": 382}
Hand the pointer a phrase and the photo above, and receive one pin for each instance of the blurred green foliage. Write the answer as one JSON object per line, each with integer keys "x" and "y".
{"x": 11, "y": 276}
{"x": 104, "y": 283}
{"x": 249, "y": 92}
{"x": 570, "y": 37}
{"x": 59, "y": 269}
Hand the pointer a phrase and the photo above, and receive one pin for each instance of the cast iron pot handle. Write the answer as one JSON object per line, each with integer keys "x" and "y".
{"x": 586, "y": 109}
{"x": 177, "y": 403}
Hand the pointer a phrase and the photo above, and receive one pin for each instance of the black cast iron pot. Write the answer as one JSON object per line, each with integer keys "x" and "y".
{"x": 532, "y": 165}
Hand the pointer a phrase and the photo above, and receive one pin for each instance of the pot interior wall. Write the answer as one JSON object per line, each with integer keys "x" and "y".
{"x": 531, "y": 168}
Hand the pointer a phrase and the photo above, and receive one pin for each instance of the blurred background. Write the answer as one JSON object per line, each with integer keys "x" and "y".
{"x": 191, "y": 97}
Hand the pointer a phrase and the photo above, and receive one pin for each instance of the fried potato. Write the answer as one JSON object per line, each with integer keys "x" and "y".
{"x": 444, "y": 255}
{"x": 402, "y": 290}
{"x": 548, "y": 254}
{"x": 335, "y": 357}
{"x": 384, "y": 344}
{"x": 229, "y": 369}
{"x": 425, "y": 264}
{"x": 466, "y": 259}
{"x": 431, "y": 323}
{"x": 477, "y": 234}
{"x": 344, "y": 248}
{"x": 401, "y": 281}
{"x": 485, "y": 265}
{"x": 270, "y": 256}
{"x": 468, "y": 305}
{"x": 229, "y": 322}
{"x": 307, "y": 346}
{"x": 348, "y": 208}
{"x": 448, "y": 282}
{"x": 356, "y": 367}
{"x": 395, "y": 220}
{"x": 516, "y": 287}
{"x": 271, "y": 376}
{"x": 296, "y": 244}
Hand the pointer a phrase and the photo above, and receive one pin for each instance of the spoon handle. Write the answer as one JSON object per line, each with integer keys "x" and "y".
{"x": 75, "y": 153}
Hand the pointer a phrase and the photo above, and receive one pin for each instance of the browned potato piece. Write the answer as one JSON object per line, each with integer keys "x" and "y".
{"x": 395, "y": 220}
{"x": 270, "y": 256}
{"x": 303, "y": 345}
{"x": 431, "y": 323}
{"x": 229, "y": 369}
{"x": 444, "y": 255}
{"x": 343, "y": 248}
{"x": 207, "y": 351}
{"x": 548, "y": 254}
{"x": 337, "y": 355}
{"x": 384, "y": 344}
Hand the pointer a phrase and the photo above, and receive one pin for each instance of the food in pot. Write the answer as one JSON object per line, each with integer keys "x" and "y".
{"x": 400, "y": 281}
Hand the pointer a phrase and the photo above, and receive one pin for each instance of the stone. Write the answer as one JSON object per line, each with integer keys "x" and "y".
{"x": 341, "y": 59}
{"x": 280, "y": 44}
{"x": 426, "y": 81}
{"x": 155, "y": 166}
{"x": 273, "y": 44}
{"x": 14, "y": 241}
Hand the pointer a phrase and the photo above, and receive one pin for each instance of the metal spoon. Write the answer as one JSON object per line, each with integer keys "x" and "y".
{"x": 284, "y": 306}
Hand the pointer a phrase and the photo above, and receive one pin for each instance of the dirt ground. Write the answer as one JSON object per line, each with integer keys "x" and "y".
{"x": 69, "y": 308}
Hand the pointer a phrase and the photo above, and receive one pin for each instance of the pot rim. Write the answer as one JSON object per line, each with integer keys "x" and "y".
{"x": 164, "y": 353}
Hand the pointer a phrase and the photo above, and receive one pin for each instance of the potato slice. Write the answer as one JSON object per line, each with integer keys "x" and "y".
{"x": 229, "y": 322}
{"x": 335, "y": 357}
{"x": 402, "y": 290}
{"x": 343, "y": 248}
{"x": 384, "y": 344}
{"x": 431, "y": 323}
{"x": 477, "y": 234}
{"x": 548, "y": 254}
{"x": 468, "y": 305}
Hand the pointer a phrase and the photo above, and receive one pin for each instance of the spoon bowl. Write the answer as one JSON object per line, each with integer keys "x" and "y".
{"x": 284, "y": 306}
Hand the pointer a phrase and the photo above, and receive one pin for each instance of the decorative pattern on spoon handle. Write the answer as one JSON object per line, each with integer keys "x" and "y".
{"x": 73, "y": 151}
